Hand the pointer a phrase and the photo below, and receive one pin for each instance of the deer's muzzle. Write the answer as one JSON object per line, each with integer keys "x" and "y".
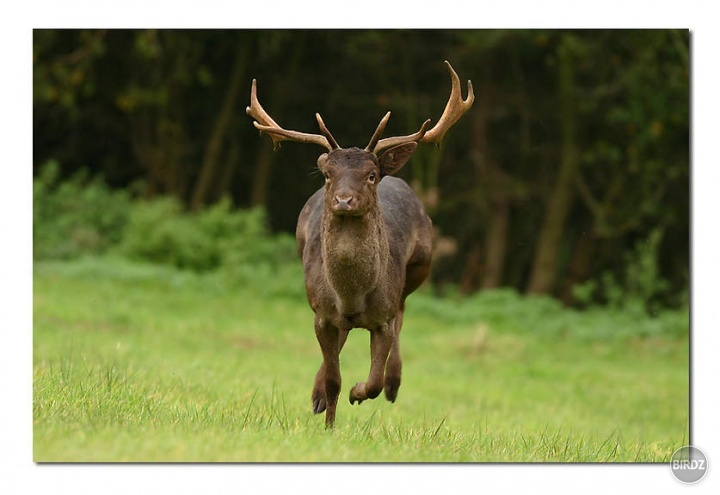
{"x": 344, "y": 203}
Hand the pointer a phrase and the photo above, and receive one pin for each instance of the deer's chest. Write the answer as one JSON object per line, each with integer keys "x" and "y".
{"x": 351, "y": 300}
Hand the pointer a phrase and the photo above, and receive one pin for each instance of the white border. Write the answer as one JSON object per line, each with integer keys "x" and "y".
{"x": 20, "y": 475}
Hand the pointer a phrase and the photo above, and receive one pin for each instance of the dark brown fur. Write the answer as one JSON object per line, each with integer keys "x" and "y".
{"x": 362, "y": 257}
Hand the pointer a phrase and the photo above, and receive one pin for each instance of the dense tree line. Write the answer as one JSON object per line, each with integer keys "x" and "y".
{"x": 569, "y": 176}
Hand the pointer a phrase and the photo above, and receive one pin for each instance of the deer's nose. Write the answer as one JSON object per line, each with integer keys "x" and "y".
{"x": 343, "y": 202}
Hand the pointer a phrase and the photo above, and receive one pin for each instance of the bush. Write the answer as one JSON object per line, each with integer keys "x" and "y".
{"x": 239, "y": 241}
{"x": 81, "y": 216}
{"x": 76, "y": 216}
{"x": 159, "y": 232}
{"x": 639, "y": 289}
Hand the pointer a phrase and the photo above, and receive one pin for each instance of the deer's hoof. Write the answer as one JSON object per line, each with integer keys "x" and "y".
{"x": 391, "y": 389}
{"x": 319, "y": 404}
{"x": 356, "y": 395}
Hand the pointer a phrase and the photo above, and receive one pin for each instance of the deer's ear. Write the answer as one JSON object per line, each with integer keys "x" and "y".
{"x": 395, "y": 158}
{"x": 322, "y": 159}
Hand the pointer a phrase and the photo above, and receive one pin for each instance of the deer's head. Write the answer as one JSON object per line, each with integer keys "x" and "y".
{"x": 353, "y": 174}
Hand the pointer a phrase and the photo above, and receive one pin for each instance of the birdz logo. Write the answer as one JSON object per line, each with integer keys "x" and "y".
{"x": 688, "y": 464}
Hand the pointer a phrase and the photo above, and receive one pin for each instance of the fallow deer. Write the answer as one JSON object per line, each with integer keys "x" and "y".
{"x": 365, "y": 242}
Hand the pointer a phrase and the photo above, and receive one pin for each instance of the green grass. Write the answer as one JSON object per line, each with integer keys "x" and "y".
{"x": 136, "y": 362}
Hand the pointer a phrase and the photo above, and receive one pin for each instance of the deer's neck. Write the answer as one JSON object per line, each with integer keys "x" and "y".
{"x": 355, "y": 252}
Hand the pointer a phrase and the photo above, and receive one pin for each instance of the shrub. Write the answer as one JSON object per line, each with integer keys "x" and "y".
{"x": 639, "y": 289}
{"x": 82, "y": 216}
{"x": 159, "y": 231}
{"x": 75, "y": 216}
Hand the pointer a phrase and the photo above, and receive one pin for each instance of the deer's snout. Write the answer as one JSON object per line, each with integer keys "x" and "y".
{"x": 344, "y": 203}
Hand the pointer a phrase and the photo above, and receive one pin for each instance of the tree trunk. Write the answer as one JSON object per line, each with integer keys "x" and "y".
{"x": 223, "y": 186}
{"x": 211, "y": 156}
{"x": 499, "y": 188}
{"x": 472, "y": 271}
{"x": 261, "y": 178}
{"x": 545, "y": 266}
{"x": 579, "y": 265}
{"x": 496, "y": 243}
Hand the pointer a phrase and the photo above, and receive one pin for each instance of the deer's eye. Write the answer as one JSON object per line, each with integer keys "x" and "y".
{"x": 371, "y": 178}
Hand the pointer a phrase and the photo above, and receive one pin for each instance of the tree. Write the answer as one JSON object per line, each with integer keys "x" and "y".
{"x": 545, "y": 265}
{"x": 210, "y": 169}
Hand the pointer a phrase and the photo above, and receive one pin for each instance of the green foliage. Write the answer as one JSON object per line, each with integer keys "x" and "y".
{"x": 643, "y": 278}
{"x": 640, "y": 287}
{"x": 243, "y": 236}
{"x": 159, "y": 232}
{"x": 64, "y": 77}
{"x": 80, "y": 217}
{"x": 546, "y": 317}
{"x": 76, "y": 216}
{"x": 234, "y": 243}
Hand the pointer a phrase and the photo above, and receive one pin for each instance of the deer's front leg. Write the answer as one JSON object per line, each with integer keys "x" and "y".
{"x": 328, "y": 338}
{"x": 318, "y": 393}
{"x": 381, "y": 340}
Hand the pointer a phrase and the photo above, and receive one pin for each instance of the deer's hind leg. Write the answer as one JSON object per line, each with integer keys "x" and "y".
{"x": 393, "y": 368}
{"x": 381, "y": 341}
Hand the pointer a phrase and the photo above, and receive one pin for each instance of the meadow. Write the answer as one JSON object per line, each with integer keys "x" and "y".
{"x": 136, "y": 362}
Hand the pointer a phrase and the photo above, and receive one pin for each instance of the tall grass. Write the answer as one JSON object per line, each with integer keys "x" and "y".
{"x": 140, "y": 362}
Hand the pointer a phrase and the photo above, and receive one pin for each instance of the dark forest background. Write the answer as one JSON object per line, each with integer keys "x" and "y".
{"x": 569, "y": 176}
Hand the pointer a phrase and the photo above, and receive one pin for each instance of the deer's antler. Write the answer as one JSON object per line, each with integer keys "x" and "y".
{"x": 454, "y": 109}
{"x": 265, "y": 123}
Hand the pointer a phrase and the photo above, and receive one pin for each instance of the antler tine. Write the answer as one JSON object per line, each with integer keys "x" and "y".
{"x": 391, "y": 142}
{"x": 454, "y": 109}
{"x": 326, "y": 132}
{"x": 265, "y": 123}
{"x": 378, "y": 132}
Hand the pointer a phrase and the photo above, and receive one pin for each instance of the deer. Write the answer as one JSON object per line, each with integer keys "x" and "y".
{"x": 365, "y": 242}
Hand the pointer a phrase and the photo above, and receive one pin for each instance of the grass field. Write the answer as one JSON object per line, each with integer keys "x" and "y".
{"x": 137, "y": 362}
